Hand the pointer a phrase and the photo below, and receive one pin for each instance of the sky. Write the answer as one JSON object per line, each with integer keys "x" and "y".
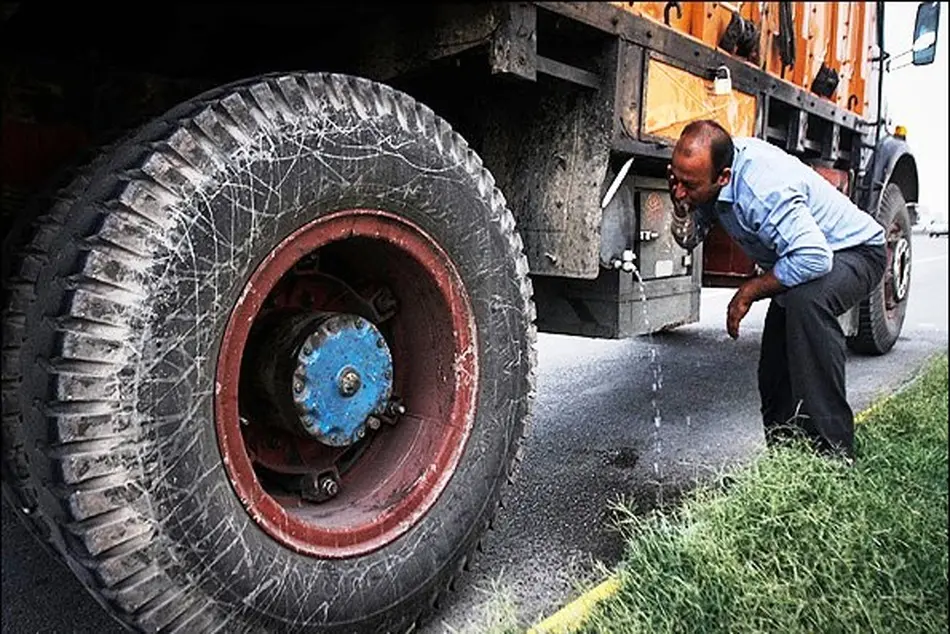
{"x": 916, "y": 97}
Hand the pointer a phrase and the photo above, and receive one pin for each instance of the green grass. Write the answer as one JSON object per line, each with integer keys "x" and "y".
{"x": 800, "y": 543}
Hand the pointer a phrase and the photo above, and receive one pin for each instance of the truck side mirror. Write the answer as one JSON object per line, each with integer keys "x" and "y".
{"x": 925, "y": 33}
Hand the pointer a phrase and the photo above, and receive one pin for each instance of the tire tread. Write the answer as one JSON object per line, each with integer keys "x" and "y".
{"x": 98, "y": 526}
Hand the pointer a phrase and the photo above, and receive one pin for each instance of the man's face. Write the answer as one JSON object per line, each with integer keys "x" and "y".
{"x": 691, "y": 176}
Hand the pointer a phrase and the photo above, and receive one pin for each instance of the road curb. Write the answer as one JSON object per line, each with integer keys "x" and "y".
{"x": 570, "y": 617}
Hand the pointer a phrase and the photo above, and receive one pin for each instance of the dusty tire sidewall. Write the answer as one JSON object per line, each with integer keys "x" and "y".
{"x": 203, "y": 536}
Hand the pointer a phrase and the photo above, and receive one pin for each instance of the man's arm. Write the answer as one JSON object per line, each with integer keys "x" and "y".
{"x": 788, "y": 226}
{"x": 760, "y": 287}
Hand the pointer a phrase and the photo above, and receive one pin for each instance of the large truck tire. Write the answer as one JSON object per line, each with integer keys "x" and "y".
{"x": 881, "y": 315}
{"x": 169, "y": 326}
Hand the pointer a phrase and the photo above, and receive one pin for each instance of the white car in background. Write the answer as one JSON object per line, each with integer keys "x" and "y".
{"x": 936, "y": 228}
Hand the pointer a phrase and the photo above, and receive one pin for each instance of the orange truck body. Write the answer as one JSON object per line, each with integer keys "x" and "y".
{"x": 834, "y": 35}
{"x": 839, "y": 34}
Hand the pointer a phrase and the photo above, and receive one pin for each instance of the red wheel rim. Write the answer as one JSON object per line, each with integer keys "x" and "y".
{"x": 399, "y": 477}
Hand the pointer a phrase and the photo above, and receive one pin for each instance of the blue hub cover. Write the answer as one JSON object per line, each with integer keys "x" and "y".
{"x": 344, "y": 374}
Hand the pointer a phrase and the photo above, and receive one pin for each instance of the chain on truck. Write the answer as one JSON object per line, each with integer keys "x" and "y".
{"x": 268, "y": 334}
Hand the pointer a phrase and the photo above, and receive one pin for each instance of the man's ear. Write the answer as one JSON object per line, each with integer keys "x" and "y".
{"x": 724, "y": 177}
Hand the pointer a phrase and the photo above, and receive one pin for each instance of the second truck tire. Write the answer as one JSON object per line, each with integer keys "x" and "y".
{"x": 881, "y": 315}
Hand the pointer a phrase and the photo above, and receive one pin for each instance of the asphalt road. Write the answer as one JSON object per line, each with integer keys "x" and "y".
{"x": 594, "y": 441}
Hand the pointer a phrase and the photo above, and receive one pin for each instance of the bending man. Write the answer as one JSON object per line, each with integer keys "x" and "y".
{"x": 820, "y": 255}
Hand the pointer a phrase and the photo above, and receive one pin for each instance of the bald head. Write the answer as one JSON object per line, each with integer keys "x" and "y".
{"x": 706, "y": 137}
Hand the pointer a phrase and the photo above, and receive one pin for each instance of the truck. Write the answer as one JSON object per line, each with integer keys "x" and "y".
{"x": 273, "y": 273}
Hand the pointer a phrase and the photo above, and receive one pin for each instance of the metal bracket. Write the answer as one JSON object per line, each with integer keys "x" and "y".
{"x": 514, "y": 47}
{"x": 831, "y": 143}
{"x": 567, "y": 72}
{"x": 384, "y": 304}
{"x": 797, "y": 131}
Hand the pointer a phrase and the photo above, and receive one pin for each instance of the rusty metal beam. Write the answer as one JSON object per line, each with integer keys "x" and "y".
{"x": 567, "y": 72}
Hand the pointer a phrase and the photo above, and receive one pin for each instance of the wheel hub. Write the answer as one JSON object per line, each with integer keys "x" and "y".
{"x": 343, "y": 376}
{"x": 900, "y": 268}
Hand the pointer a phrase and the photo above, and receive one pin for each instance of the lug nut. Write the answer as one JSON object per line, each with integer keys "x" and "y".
{"x": 329, "y": 487}
{"x": 372, "y": 422}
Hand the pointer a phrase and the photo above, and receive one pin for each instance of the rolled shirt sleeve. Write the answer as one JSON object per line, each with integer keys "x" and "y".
{"x": 786, "y": 225}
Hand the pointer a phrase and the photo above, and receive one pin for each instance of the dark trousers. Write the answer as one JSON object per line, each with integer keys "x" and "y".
{"x": 801, "y": 366}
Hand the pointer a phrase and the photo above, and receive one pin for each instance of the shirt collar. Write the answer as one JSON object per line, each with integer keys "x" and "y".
{"x": 726, "y": 194}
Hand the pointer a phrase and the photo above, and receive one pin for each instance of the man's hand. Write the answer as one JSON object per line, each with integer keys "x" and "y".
{"x": 765, "y": 285}
{"x": 682, "y": 224}
{"x": 738, "y": 308}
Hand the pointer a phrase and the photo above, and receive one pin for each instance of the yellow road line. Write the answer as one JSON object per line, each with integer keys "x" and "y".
{"x": 572, "y": 615}
{"x": 863, "y": 415}
{"x": 569, "y": 618}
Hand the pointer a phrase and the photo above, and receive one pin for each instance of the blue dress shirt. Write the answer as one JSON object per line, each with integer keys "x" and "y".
{"x": 785, "y": 215}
